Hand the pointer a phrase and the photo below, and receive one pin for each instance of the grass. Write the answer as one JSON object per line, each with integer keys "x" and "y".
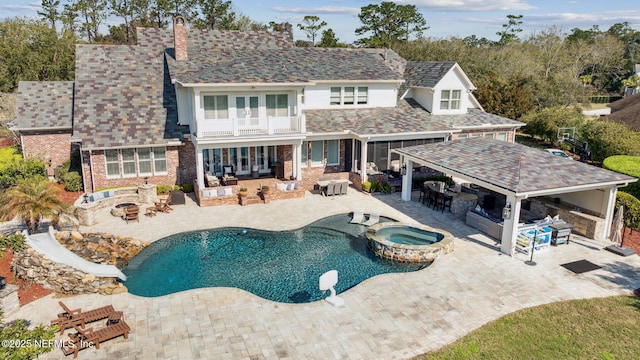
{"x": 601, "y": 328}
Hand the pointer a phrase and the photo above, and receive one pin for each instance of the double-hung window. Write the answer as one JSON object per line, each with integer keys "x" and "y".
{"x": 216, "y": 107}
{"x": 349, "y": 95}
{"x": 317, "y": 152}
{"x": 278, "y": 105}
{"x": 450, "y": 99}
{"x": 135, "y": 162}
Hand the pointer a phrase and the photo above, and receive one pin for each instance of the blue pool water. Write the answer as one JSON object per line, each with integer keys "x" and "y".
{"x": 282, "y": 266}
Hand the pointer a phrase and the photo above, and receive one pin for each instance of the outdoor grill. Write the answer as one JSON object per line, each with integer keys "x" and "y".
{"x": 560, "y": 233}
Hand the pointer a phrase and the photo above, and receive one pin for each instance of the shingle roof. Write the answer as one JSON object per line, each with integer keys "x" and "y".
{"x": 123, "y": 98}
{"x": 424, "y": 74}
{"x": 44, "y": 105}
{"x": 625, "y": 102}
{"x": 512, "y": 166}
{"x": 262, "y": 57}
{"x": 408, "y": 116}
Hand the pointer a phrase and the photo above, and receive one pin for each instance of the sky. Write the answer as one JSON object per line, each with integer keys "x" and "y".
{"x": 445, "y": 18}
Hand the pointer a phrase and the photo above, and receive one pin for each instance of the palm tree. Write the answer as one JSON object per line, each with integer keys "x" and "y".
{"x": 32, "y": 200}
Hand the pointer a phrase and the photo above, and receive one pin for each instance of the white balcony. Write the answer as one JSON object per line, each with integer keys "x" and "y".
{"x": 250, "y": 127}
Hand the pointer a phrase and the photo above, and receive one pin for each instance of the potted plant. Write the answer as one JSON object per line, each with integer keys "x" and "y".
{"x": 265, "y": 190}
{"x": 244, "y": 192}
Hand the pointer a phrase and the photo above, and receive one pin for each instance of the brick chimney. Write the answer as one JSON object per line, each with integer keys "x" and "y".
{"x": 180, "y": 38}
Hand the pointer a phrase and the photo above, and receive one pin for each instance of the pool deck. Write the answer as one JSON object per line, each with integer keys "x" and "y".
{"x": 392, "y": 316}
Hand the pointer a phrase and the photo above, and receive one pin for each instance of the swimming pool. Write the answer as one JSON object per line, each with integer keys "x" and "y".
{"x": 282, "y": 266}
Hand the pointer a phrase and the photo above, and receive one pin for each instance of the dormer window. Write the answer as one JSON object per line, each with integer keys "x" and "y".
{"x": 450, "y": 99}
{"x": 349, "y": 95}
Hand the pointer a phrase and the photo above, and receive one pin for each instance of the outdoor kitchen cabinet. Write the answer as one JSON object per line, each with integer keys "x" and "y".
{"x": 560, "y": 233}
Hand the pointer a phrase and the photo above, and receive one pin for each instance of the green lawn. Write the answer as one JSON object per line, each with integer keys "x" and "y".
{"x": 603, "y": 328}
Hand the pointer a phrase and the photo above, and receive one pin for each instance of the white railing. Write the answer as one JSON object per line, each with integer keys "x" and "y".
{"x": 251, "y": 127}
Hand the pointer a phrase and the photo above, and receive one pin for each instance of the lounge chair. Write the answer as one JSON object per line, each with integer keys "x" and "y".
{"x": 374, "y": 218}
{"x": 132, "y": 213}
{"x": 358, "y": 217}
{"x": 83, "y": 339}
{"x": 164, "y": 204}
{"x": 71, "y": 318}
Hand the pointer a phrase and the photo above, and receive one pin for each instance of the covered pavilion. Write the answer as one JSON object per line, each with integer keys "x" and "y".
{"x": 519, "y": 172}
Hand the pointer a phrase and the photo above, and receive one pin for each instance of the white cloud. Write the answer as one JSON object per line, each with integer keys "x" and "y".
{"x": 470, "y": 5}
{"x": 30, "y": 7}
{"x": 338, "y": 10}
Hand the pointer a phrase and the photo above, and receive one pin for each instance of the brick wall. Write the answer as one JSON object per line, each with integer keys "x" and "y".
{"x": 55, "y": 146}
{"x": 95, "y": 171}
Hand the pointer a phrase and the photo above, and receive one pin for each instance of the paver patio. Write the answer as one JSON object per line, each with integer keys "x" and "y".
{"x": 392, "y": 316}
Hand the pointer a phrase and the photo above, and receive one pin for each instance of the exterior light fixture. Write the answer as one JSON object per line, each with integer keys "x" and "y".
{"x": 506, "y": 211}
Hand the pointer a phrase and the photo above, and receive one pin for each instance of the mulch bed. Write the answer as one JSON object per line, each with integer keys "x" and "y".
{"x": 631, "y": 239}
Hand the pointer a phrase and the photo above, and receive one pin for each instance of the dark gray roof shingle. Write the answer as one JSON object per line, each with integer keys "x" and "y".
{"x": 408, "y": 116}
{"x": 424, "y": 74}
{"x": 44, "y": 105}
{"x": 123, "y": 97}
{"x": 512, "y": 166}
{"x": 266, "y": 57}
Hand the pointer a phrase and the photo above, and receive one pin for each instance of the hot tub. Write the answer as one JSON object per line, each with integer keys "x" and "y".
{"x": 408, "y": 242}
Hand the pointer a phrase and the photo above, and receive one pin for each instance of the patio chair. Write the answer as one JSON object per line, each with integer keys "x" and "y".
{"x": 83, "y": 339}
{"x": 424, "y": 195}
{"x": 228, "y": 170}
{"x": 330, "y": 189}
{"x": 439, "y": 201}
{"x": 448, "y": 199}
{"x": 433, "y": 198}
{"x": 71, "y": 318}
{"x": 131, "y": 213}
{"x": 358, "y": 217}
{"x": 374, "y": 218}
{"x": 344, "y": 186}
{"x": 164, "y": 204}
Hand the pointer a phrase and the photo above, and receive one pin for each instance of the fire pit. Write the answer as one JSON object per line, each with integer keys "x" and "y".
{"x": 118, "y": 210}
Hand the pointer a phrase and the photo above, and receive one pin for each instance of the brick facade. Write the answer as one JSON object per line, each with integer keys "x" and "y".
{"x": 53, "y": 146}
{"x": 95, "y": 171}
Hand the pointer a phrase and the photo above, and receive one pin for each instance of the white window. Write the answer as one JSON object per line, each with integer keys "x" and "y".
{"x": 216, "y": 107}
{"x": 123, "y": 162}
{"x": 317, "y": 152}
{"x": 450, "y": 99}
{"x": 335, "y": 96}
{"x": 363, "y": 95}
{"x": 113, "y": 165}
{"x": 160, "y": 159}
{"x": 144, "y": 161}
{"x": 349, "y": 95}
{"x": 489, "y": 135}
{"x": 128, "y": 162}
{"x": 333, "y": 151}
{"x": 463, "y": 136}
{"x": 278, "y": 105}
{"x": 502, "y": 136}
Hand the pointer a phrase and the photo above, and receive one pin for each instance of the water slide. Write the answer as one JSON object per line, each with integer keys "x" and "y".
{"x": 47, "y": 245}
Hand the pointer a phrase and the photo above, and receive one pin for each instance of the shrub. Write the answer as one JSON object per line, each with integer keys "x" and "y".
{"x": 72, "y": 181}
{"x": 20, "y": 170}
{"x": 632, "y": 209}
{"x": 18, "y": 331}
{"x": 417, "y": 181}
{"x": 187, "y": 187}
{"x": 608, "y": 138}
{"x": 164, "y": 189}
{"x": 628, "y": 165}
{"x": 14, "y": 242}
{"x": 381, "y": 185}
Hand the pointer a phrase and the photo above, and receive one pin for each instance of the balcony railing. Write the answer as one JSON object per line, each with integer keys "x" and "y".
{"x": 250, "y": 127}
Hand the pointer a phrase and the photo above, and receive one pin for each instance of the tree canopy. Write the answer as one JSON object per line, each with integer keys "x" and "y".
{"x": 389, "y": 23}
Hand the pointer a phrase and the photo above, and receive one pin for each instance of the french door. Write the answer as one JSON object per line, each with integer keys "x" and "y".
{"x": 247, "y": 111}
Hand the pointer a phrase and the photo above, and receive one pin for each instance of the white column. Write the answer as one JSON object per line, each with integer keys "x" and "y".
{"x": 363, "y": 160}
{"x": 198, "y": 112}
{"x": 406, "y": 181}
{"x": 199, "y": 167}
{"x": 610, "y": 199}
{"x": 297, "y": 160}
{"x": 510, "y": 229}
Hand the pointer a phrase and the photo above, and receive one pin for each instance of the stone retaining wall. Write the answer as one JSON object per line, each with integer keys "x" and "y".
{"x": 34, "y": 267}
{"x": 87, "y": 213}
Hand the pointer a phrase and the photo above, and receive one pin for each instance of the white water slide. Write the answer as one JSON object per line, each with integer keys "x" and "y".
{"x": 47, "y": 245}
